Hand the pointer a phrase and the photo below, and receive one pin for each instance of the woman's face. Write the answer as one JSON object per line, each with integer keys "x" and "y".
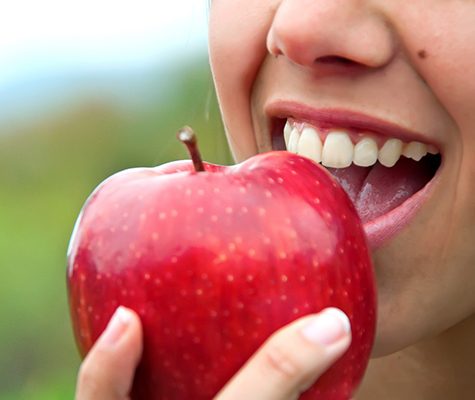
{"x": 389, "y": 70}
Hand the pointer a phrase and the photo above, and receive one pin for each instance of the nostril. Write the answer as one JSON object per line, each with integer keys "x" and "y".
{"x": 335, "y": 60}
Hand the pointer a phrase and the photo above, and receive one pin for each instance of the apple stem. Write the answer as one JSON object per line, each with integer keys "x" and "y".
{"x": 187, "y": 136}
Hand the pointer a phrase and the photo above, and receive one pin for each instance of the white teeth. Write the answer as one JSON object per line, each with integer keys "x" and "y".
{"x": 432, "y": 149}
{"x": 287, "y": 130}
{"x": 293, "y": 140}
{"x": 366, "y": 152}
{"x": 337, "y": 150}
{"x": 415, "y": 150}
{"x": 390, "y": 152}
{"x": 310, "y": 144}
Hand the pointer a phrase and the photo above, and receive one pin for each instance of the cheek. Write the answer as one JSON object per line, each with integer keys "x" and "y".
{"x": 445, "y": 39}
{"x": 237, "y": 42}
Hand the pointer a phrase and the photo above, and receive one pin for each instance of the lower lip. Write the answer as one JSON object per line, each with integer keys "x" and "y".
{"x": 382, "y": 229}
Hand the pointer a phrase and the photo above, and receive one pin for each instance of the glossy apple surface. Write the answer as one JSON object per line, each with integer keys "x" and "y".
{"x": 216, "y": 261}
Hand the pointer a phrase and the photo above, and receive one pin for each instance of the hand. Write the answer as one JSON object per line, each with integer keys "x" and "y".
{"x": 286, "y": 365}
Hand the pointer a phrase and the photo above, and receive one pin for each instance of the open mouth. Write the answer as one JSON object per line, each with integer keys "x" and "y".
{"x": 387, "y": 178}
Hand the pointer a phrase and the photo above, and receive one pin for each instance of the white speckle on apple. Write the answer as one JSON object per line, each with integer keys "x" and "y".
{"x": 157, "y": 281}
{"x": 228, "y": 345}
{"x": 262, "y": 211}
{"x": 138, "y": 254}
{"x": 283, "y": 297}
{"x": 239, "y": 305}
{"x": 258, "y": 321}
{"x": 188, "y": 192}
{"x": 162, "y": 215}
{"x": 200, "y": 192}
{"x": 147, "y": 276}
{"x": 174, "y": 213}
{"x": 244, "y": 209}
{"x": 295, "y": 310}
{"x": 183, "y": 292}
{"x": 251, "y": 252}
{"x": 280, "y": 180}
{"x": 125, "y": 228}
{"x": 341, "y": 250}
{"x": 230, "y": 278}
{"x": 242, "y": 190}
{"x": 89, "y": 309}
{"x": 268, "y": 194}
{"x": 282, "y": 255}
{"x": 143, "y": 216}
{"x": 328, "y": 251}
{"x": 216, "y": 190}
{"x": 214, "y": 218}
{"x": 174, "y": 260}
{"x": 316, "y": 200}
{"x": 231, "y": 247}
{"x": 125, "y": 215}
{"x": 238, "y": 239}
{"x": 98, "y": 277}
{"x": 266, "y": 240}
{"x": 293, "y": 172}
{"x": 269, "y": 301}
{"x": 229, "y": 210}
{"x": 204, "y": 276}
{"x": 213, "y": 314}
{"x": 220, "y": 259}
{"x": 284, "y": 278}
{"x": 124, "y": 292}
{"x": 249, "y": 277}
{"x": 199, "y": 292}
{"x": 271, "y": 181}
{"x": 315, "y": 262}
{"x": 200, "y": 210}
{"x": 330, "y": 291}
{"x": 302, "y": 278}
{"x": 112, "y": 230}
{"x": 154, "y": 236}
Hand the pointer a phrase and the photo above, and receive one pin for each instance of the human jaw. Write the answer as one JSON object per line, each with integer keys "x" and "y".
{"x": 424, "y": 264}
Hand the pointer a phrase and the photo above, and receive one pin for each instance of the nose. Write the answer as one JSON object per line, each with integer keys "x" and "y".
{"x": 315, "y": 32}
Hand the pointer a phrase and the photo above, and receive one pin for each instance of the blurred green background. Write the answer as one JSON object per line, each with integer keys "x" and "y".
{"x": 51, "y": 158}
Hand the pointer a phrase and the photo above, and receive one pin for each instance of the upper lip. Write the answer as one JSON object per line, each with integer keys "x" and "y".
{"x": 344, "y": 119}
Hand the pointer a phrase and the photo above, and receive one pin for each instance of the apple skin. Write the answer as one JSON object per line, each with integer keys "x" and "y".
{"x": 214, "y": 262}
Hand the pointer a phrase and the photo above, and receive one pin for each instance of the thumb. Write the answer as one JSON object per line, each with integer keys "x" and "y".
{"x": 292, "y": 359}
{"x": 108, "y": 370}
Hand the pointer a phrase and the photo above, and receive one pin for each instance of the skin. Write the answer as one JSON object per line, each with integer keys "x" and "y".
{"x": 411, "y": 63}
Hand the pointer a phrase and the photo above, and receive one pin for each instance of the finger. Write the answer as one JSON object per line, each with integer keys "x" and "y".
{"x": 292, "y": 359}
{"x": 108, "y": 370}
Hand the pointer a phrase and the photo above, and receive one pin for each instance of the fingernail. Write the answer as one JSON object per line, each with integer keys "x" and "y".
{"x": 328, "y": 327}
{"x": 117, "y": 326}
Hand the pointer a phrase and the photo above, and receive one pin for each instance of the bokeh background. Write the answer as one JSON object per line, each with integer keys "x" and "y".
{"x": 87, "y": 88}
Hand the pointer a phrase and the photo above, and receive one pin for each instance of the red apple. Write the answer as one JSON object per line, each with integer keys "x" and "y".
{"x": 214, "y": 259}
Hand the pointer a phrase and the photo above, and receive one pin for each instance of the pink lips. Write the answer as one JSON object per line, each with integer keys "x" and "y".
{"x": 380, "y": 230}
{"x": 383, "y": 228}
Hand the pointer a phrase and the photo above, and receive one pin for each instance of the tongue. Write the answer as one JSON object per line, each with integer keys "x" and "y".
{"x": 377, "y": 190}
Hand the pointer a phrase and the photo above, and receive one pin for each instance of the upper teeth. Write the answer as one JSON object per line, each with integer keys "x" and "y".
{"x": 337, "y": 150}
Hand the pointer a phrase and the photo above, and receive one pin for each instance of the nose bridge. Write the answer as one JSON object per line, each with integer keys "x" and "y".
{"x": 306, "y": 31}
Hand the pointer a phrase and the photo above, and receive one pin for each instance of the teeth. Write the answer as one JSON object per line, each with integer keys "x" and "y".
{"x": 294, "y": 140}
{"x": 337, "y": 151}
{"x": 390, "y": 152}
{"x": 310, "y": 144}
{"x": 366, "y": 153}
{"x": 287, "y": 130}
{"x": 415, "y": 150}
